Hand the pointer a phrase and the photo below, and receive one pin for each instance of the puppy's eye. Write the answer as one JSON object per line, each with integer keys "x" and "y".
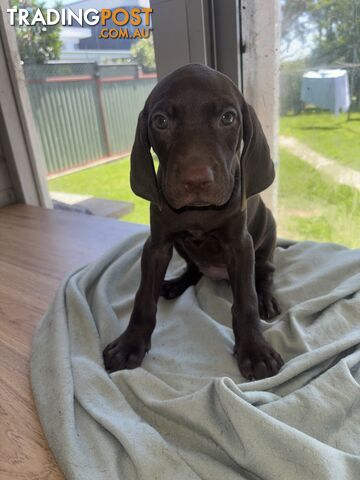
{"x": 227, "y": 118}
{"x": 161, "y": 122}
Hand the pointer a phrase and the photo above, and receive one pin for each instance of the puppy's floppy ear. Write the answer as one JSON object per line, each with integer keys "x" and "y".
{"x": 257, "y": 168}
{"x": 142, "y": 172}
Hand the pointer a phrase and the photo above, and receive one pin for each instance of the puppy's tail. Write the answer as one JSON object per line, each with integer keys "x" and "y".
{"x": 283, "y": 243}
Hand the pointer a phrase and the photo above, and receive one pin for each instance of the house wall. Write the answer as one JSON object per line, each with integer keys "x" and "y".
{"x": 91, "y": 42}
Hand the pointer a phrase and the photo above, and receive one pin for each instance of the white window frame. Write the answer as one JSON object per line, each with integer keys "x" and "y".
{"x": 21, "y": 145}
{"x": 261, "y": 72}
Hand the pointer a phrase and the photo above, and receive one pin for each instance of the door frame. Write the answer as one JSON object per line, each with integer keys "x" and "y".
{"x": 19, "y": 138}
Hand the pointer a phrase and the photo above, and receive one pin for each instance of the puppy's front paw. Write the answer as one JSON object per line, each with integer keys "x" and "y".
{"x": 171, "y": 289}
{"x": 126, "y": 352}
{"x": 257, "y": 359}
{"x": 268, "y": 306}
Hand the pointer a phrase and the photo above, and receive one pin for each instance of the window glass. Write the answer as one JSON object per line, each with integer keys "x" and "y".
{"x": 319, "y": 187}
{"x": 88, "y": 76}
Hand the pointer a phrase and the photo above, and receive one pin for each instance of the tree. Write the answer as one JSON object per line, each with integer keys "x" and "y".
{"x": 142, "y": 52}
{"x": 332, "y": 28}
{"x": 37, "y": 43}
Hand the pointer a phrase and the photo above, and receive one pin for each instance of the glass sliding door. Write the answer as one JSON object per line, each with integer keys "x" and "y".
{"x": 319, "y": 188}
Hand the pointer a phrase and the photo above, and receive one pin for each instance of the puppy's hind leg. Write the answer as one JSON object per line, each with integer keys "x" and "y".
{"x": 174, "y": 288}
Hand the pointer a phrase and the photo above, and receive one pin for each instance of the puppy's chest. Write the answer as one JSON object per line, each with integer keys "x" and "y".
{"x": 202, "y": 243}
{"x": 205, "y": 250}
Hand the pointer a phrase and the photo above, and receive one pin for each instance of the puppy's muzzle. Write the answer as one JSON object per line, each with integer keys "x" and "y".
{"x": 197, "y": 179}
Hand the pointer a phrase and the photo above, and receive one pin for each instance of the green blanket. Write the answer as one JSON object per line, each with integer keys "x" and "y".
{"x": 187, "y": 413}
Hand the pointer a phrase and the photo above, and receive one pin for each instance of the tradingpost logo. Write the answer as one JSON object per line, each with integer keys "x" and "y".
{"x": 117, "y": 23}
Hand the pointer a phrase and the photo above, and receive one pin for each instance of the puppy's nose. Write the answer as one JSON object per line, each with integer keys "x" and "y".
{"x": 196, "y": 178}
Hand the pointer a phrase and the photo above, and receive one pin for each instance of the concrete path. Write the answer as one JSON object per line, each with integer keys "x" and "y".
{"x": 337, "y": 172}
{"x": 94, "y": 205}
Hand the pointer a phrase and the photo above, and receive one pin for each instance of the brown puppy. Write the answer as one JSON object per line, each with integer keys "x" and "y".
{"x": 213, "y": 162}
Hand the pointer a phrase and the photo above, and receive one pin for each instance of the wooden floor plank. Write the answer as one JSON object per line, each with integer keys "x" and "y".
{"x": 38, "y": 247}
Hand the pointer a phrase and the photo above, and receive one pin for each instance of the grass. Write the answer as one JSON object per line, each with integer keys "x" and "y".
{"x": 330, "y": 135}
{"x": 311, "y": 206}
{"x": 110, "y": 181}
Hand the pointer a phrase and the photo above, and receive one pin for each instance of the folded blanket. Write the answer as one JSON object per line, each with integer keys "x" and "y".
{"x": 187, "y": 413}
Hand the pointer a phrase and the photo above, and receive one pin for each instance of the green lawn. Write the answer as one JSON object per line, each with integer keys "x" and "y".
{"x": 330, "y": 135}
{"x": 313, "y": 207}
{"x": 310, "y": 205}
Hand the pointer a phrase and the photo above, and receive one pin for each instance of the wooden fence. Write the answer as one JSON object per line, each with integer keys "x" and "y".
{"x": 86, "y": 112}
